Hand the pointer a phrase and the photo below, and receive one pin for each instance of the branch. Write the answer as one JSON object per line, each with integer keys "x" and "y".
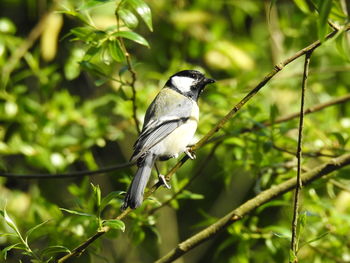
{"x": 294, "y": 241}
{"x": 288, "y": 117}
{"x": 217, "y": 127}
{"x": 132, "y": 85}
{"x": 251, "y": 205}
{"x": 131, "y": 70}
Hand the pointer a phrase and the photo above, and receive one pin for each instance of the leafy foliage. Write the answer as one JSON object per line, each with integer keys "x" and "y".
{"x": 74, "y": 110}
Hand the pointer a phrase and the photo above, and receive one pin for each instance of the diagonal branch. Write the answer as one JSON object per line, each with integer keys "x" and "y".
{"x": 78, "y": 250}
{"x": 249, "y": 206}
{"x": 294, "y": 240}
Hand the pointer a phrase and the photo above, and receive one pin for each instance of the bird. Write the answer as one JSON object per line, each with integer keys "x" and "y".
{"x": 169, "y": 126}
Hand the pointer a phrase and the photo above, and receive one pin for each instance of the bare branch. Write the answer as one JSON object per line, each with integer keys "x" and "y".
{"x": 294, "y": 240}
{"x": 249, "y": 206}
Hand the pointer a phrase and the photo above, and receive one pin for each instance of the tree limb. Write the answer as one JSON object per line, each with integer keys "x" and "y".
{"x": 251, "y": 205}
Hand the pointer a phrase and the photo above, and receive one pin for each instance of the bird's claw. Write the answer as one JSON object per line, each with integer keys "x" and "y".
{"x": 190, "y": 153}
{"x": 163, "y": 181}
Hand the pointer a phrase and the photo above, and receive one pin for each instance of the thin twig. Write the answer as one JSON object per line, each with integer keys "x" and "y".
{"x": 327, "y": 254}
{"x": 295, "y": 238}
{"x": 131, "y": 84}
{"x": 252, "y": 204}
{"x": 286, "y": 118}
{"x": 217, "y": 127}
{"x": 309, "y": 154}
{"x": 130, "y": 69}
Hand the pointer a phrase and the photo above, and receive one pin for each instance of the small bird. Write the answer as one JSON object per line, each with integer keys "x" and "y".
{"x": 169, "y": 126}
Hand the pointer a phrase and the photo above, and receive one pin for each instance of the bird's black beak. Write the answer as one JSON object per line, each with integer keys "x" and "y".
{"x": 208, "y": 81}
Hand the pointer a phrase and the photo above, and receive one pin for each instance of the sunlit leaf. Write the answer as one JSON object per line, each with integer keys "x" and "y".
{"x": 73, "y": 212}
{"x": 324, "y": 8}
{"x": 143, "y": 10}
{"x": 115, "y": 51}
{"x": 9, "y": 221}
{"x": 108, "y": 198}
{"x": 129, "y": 19}
{"x": 189, "y": 195}
{"x": 93, "y": 3}
{"x": 35, "y": 228}
{"x": 8, "y": 248}
{"x": 115, "y": 224}
{"x": 343, "y": 46}
{"x": 52, "y": 250}
{"x": 132, "y": 36}
{"x": 303, "y": 6}
{"x": 75, "y": 14}
{"x": 82, "y": 33}
{"x": 97, "y": 194}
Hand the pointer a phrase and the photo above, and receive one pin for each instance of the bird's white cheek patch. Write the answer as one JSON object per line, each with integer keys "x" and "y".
{"x": 182, "y": 83}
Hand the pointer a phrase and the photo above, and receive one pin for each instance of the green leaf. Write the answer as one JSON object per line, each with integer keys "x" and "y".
{"x": 129, "y": 19}
{"x": 273, "y": 112}
{"x": 143, "y": 10}
{"x": 92, "y": 68}
{"x": 8, "y": 248}
{"x": 81, "y": 32}
{"x": 35, "y": 228}
{"x": 315, "y": 239}
{"x": 189, "y": 195}
{"x": 52, "y": 250}
{"x": 343, "y": 46}
{"x": 274, "y": 203}
{"x": 324, "y": 8}
{"x": 302, "y": 5}
{"x": 115, "y": 224}
{"x": 292, "y": 256}
{"x": 9, "y": 222}
{"x": 115, "y": 51}
{"x": 132, "y": 36}
{"x": 74, "y": 14}
{"x": 108, "y": 198}
{"x": 97, "y": 192}
{"x": 8, "y": 234}
{"x": 93, "y": 3}
{"x": 73, "y": 212}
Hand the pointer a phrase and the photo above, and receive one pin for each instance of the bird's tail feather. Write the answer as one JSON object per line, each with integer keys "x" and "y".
{"x": 134, "y": 196}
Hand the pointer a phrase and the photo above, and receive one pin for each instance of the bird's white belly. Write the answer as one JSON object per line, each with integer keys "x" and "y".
{"x": 177, "y": 141}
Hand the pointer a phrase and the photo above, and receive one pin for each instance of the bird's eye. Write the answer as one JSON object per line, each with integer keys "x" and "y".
{"x": 193, "y": 76}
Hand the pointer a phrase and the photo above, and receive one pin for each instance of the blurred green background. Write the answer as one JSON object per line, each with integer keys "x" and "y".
{"x": 66, "y": 105}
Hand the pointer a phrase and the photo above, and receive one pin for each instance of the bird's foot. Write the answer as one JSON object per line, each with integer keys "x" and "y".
{"x": 163, "y": 181}
{"x": 191, "y": 154}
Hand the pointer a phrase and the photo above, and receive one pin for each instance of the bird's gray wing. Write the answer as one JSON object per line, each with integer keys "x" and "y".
{"x": 163, "y": 116}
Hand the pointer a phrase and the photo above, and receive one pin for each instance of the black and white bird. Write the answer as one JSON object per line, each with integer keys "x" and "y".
{"x": 169, "y": 126}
